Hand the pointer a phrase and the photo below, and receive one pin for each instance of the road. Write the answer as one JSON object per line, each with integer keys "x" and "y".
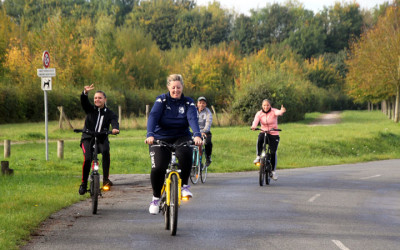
{"x": 353, "y": 206}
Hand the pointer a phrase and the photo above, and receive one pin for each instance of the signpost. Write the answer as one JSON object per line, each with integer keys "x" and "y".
{"x": 46, "y": 74}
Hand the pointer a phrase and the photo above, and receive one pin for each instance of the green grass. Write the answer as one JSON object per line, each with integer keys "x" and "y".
{"x": 38, "y": 187}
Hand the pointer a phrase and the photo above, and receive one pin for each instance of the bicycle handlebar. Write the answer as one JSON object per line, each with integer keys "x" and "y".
{"x": 267, "y": 131}
{"x": 93, "y": 133}
{"x": 160, "y": 143}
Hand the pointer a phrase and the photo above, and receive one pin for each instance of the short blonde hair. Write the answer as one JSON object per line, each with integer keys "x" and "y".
{"x": 173, "y": 78}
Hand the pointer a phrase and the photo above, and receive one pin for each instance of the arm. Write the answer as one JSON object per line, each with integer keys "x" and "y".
{"x": 209, "y": 119}
{"x": 281, "y": 111}
{"x": 193, "y": 119}
{"x": 256, "y": 120}
{"x": 86, "y": 105}
{"x": 154, "y": 116}
{"x": 114, "y": 124}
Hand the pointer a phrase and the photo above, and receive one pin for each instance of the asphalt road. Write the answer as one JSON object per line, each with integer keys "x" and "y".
{"x": 353, "y": 206}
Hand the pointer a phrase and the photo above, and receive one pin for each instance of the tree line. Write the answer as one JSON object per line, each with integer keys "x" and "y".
{"x": 128, "y": 47}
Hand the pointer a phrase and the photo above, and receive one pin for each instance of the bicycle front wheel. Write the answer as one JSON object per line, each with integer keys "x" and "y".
{"x": 195, "y": 174}
{"x": 261, "y": 173}
{"x": 95, "y": 191}
{"x": 268, "y": 172}
{"x": 203, "y": 172}
{"x": 174, "y": 204}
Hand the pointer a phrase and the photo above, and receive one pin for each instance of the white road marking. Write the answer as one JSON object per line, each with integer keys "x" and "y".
{"x": 340, "y": 245}
{"x": 312, "y": 199}
{"x": 370, "y": 177}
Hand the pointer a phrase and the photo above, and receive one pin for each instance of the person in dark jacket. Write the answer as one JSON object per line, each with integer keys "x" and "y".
{"x": 169, "y": 120}
{"x": 98, "y": 119}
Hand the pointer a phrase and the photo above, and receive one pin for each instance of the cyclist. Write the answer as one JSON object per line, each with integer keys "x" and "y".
{"x": 98, "y": 118}
{"x": 169, "y": 120}
{"x": 268, "y": 118}
{"x": 205, "y": 121}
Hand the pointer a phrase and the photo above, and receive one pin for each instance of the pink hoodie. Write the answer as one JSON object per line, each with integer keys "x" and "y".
{"x": 268, "y": 121}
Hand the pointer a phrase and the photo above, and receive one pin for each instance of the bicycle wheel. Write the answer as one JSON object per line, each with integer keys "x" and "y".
{"x": 262, "y": 172}
{"x": 195, "y": 174}
{"x": 174, "y": 204}
{"x": 267, "y": 172}
{"x": 203, "y": 172}
{"x": 95, "y": 191}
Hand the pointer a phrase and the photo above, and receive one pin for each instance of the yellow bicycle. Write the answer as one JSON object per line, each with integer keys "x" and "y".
{"x": 171, "y": 191}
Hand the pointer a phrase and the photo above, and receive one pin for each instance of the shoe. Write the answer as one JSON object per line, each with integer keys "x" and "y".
{"x": 83, "y": 188}
{"x": 107, "y": 182}
{"x": 257, "y": 159}
{"x": 154, "y": 206}
{"x": 208, "y": 160}
{"x": 186, "y": 192}
{"x": 274, "y": 176}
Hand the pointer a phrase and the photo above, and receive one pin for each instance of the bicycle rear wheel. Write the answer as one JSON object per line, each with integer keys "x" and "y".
{"x": 203, "y": 172}
{"x": 174, "y": 204}
{"x": 262, "y": 172}
{"x": 95, "y": 191}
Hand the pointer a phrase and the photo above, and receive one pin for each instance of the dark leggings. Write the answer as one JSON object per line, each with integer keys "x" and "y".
{"x": 87, "y": 148}
{"x": 208, "y": 145}
{"x": 160, "y": 158}
{"x": 273, "y": 145}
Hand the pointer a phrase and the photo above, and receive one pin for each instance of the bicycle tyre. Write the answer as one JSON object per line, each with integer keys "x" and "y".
{"x": 261, "y": 173}
{"x": 267, "y": 172}
{"x": 95, "y": 192}
{"x": 195, "y": 174}
{"x": 174, "y": 204}
{"x": 203, "y": 172}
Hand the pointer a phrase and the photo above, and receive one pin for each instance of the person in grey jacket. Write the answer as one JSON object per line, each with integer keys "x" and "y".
{"x": 205, "y": 121}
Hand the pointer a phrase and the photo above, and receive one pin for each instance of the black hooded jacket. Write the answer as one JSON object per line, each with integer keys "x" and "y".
{"x": 97, "y": 119}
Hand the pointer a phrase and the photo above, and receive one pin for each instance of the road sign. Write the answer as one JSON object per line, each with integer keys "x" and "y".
{"x": 46, "y": 72}
{"x": 46, "y": 59}
{"x": 46, "y": 83}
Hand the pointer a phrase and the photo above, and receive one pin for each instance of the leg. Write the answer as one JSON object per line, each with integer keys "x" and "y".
{"x": 87, "y": 159}
{"x": 273, "y": 145}
{"x": 208, "y": 148}
{"x": 160, "y": 158}
{"x": 184, "y": 155}
{"x": 104, "y": 149}
{"x": 260, "y": 142}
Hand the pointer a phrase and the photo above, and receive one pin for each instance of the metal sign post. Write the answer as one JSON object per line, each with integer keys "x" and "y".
{"x": 46, "y": 75}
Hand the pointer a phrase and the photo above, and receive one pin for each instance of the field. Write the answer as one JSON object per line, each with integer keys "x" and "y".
{"x": 38, "y": 187}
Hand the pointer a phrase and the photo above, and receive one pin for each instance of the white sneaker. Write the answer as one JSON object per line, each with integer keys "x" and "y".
{"x": 257, "y": 159}
{"x": 186, "y": 192}
{"x": 154, "y": 206}
{"x": 274, "y": 176}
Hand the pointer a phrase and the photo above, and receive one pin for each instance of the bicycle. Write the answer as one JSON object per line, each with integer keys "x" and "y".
{"x": 94, "y": 187}
{"x": 199, "y": 169}
{"x": 265, "y": 160}
{"x": 171, "y": 191}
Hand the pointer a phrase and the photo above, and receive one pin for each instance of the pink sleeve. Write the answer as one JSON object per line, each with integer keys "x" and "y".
{"x": 278, "y": 112}
{"x": 256, "y": 120}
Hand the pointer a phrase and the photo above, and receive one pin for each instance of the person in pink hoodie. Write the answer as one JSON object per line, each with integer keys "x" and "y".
{"x": 268, "y": 118}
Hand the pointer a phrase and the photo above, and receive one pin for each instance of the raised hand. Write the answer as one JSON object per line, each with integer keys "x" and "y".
{"x": 88, "y": 88}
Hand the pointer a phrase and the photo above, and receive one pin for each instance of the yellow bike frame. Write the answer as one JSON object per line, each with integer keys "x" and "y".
{"x": 167, "y": 187}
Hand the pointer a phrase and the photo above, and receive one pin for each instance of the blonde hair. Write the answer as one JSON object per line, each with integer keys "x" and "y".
{"x": 173, "y": 78}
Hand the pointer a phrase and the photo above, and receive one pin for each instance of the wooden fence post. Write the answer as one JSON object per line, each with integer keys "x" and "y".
{"x": 147, "y": 112}
{"x": 63, "y": 116}
{"x": 7, "y": 148}
{"x": 119, "y": 114}
{"x": 60, "y": 149}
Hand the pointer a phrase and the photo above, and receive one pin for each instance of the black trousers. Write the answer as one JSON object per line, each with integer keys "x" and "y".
{"x": 208, "y": 146}
{"x": 160, "y": 158}
{"x": 87, "y": 148}
{"x": 273, "y": 145}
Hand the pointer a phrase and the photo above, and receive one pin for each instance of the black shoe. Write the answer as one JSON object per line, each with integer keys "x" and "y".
{"x": 107, "y": 182}
{"x": 83, "y": 188}
{"x": 208, "y": 161}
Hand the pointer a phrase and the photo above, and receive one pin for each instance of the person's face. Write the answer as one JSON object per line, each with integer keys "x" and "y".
{"x": 201, "y": 105}
{"x": 99, "y": 100}
{"x": 266, "y": 106}
{"x": 175, "y": 89}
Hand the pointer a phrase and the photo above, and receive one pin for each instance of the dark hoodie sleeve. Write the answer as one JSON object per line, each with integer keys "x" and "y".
{"x": 114, "y": 121}
{"x": 154, "y": 116}
{"x": 86, "y": 105}
{"x": 192, "y": 118}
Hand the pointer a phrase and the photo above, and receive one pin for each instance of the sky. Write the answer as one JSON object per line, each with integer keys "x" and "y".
{"x": 244, "y": 6}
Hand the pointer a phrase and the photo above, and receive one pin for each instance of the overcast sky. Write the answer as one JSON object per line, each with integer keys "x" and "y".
{"x": 244, "y": 6}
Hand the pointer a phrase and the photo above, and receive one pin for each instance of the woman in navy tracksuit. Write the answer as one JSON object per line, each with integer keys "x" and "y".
{"x": 169, "y": 120}
{"x": 98, "y": 118}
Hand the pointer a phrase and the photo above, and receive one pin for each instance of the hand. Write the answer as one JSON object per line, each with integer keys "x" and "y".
{"x": 149, "y": 140}
{"x": 198, "y": 141}
{"x": 86, "y": 89}
{"x": 283, "y": 108}
{"x": 253, "y": 128}
{"x": 203, "y": 135}
{"x": 115, "y": 131}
